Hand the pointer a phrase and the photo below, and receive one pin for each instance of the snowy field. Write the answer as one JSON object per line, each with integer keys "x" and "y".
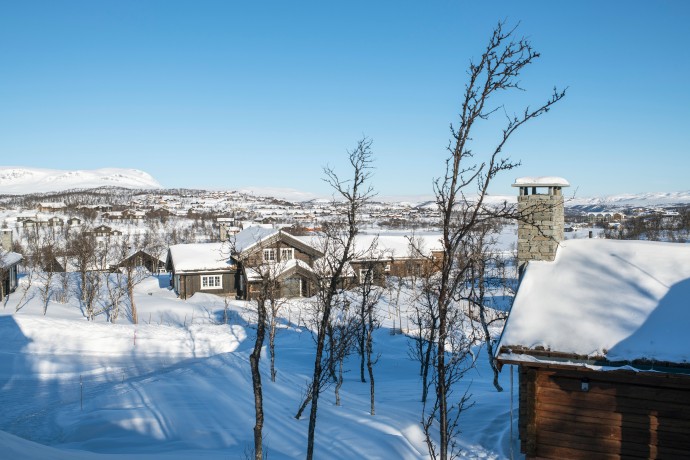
{"x": 178, "y": 385}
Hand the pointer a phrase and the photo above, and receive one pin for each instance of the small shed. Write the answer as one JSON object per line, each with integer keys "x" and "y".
{"x": 600, "y": 338}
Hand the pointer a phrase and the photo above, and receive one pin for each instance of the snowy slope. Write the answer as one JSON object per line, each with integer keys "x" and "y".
{"x": 178, "y": 386}
{"x": 19, "y": 180}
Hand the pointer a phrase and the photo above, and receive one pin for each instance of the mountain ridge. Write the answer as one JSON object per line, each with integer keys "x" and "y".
{"x": 20, "y": 180}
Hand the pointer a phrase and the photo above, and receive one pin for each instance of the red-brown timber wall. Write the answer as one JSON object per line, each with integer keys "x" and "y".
{"x": 622, "y": 415}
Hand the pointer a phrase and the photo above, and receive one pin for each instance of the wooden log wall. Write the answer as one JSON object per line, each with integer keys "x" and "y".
{"x": 621, "y": 415}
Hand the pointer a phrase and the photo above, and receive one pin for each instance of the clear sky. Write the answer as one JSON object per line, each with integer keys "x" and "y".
{"x": 224, "y": 94}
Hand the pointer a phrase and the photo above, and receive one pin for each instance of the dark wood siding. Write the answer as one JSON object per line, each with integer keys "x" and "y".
{"x": 378, "y": 269}
{"x": 191, "y": 283}
{"x": 255, "y": 258}
{"x": 621, "y": 415}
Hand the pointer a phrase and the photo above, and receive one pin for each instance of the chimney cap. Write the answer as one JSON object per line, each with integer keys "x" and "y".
{"x": 541, "y": 181}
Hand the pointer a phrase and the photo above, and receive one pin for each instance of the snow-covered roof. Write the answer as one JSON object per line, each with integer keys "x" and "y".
{"x": 200, "y": 257}
{"x": 52, "y": 204}
{"x": 541, "y": 181}
{"x": 252, "y": 236}
{"x": 9, "y": 258}
{"x": 398, "y": 246}
{"x": 278, "y": 269}
{"x": 388, "y": 246}
{"x": 618, "y": 300}
{"x": 161, "y": 256}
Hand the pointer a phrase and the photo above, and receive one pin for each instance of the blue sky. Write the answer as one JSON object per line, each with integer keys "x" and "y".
{"x": 225, "y": 95}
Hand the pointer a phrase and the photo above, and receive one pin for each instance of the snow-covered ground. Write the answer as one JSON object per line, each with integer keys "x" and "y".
{"x": 178, "y": 385}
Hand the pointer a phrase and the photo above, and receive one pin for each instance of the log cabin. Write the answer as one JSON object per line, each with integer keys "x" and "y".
{"x": 381, "y": 256}
{"x": 141, "y": 258}
{"x": 9, "y": 264}
{"x": 235, "y": 267}
{"x": 260, "y": 251}
{"x": 201, "y": 267}
{"x": 598, "y": 332}
{"x": 600, "y": 340}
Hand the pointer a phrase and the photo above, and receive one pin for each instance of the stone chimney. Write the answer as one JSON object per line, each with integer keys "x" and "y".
{"x": 541, "y": 227}
{"x": 6, "y": 239}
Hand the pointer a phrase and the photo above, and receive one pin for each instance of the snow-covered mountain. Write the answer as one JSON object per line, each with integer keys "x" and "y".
{"x": 625, "y": 200}
{"x": 632, "y": 200}
{"x": 21, "y": 180}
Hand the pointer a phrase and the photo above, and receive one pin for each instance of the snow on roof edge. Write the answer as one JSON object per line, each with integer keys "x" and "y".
{"x": 541, "y": 181}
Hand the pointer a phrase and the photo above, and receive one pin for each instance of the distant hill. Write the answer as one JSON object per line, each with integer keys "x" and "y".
{"x": 18, "y": 180}
{"x": 21, "y": 181}
{"x": 630, "y": 200}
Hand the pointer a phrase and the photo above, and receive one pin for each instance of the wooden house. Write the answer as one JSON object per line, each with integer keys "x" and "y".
{"x": 380, "y": 256}
{"x": 52, "y": 263}
{"x": 50, "y": 206}
{"x": 104, "y": 231}
{"x": 141, "y": 258}
{"x": 237, "y": 267}
{"x": 56, "y": 221}
{"x": 261, "y": 252}
{"x": 114, "y": 215}
{"x": 29, "y": 223}
{"x": 600, "y": 339}
{"x": 201, "y": 267}
{"x": 9, "y": 264}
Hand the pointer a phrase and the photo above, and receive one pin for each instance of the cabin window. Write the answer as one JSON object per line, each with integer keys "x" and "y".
{"x": 366, "y": 274}
{"x": 211, "y": 281}
{"x": 287, "y": 253}
{"x": 269, "y": 255}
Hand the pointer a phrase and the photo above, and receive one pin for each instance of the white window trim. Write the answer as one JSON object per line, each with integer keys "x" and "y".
{"x": 269, "y": 255}
{"x": 364, "y": 272}
{"x": 212, "y": 282}
{"x": 287, "y": 254}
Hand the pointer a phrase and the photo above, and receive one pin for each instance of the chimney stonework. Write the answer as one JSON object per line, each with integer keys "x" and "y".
{"x": 541, "y": 228}
{"x": 6, "y": 239}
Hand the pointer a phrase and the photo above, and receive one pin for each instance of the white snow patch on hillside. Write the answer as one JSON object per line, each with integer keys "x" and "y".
{"x": 632, "y": 200}
{"x": 20, "y": 180}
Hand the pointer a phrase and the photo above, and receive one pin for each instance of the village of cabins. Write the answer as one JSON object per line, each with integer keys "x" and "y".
{"x": 596, "y": 329}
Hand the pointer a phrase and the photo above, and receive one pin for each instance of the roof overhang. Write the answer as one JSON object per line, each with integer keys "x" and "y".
{"x": 568, "y": 361}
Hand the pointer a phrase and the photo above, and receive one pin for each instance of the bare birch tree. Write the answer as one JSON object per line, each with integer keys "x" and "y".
{"x": 344, "y": 329}
{"x": 264, "y": 274}
{"x": 470, "y": 173}
{"x": 369, "y": 296}
{"x": 82, "y": 249}
{"x": 338, "y": 248}
{"x": 116, "y": 283}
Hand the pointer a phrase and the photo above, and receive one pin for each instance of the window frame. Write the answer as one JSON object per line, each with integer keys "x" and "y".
{"x": 284, "y": 251}
{"x": 366, "y": 274}
{"x": 271, "y": 252}
{"x": 211, "y": 282}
